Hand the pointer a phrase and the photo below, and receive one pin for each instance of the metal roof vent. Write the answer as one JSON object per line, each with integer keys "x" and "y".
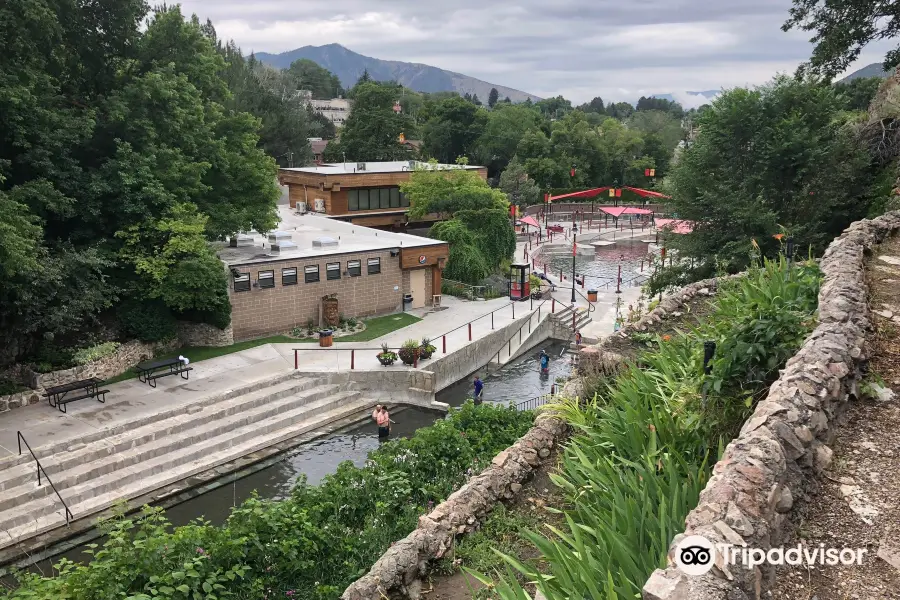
{"x": 276, "y": 237}
{"x": 276, "y": 249}
{"x": 325, "y": 242}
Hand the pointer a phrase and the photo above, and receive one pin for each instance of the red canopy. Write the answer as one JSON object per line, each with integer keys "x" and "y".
{"x": 646, "y": 193}
{"x": 582, "y": 194}
{"x": 637, "y": 211}
{"x": 616, "y": 211}
{"x": 530, "y": 221}
{"x": 674, "y": 225}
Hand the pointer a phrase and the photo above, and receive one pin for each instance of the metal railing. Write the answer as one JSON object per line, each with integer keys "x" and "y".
{"x": 40, "y": 468}
{"x": 537, "y": 401}
{"x": 508, "y": 343}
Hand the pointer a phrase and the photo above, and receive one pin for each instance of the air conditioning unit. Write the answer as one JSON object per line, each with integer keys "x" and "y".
{"x": 360, "y": 166}
{"x": 320, "y": 205}
{"x": 301, "y": 208}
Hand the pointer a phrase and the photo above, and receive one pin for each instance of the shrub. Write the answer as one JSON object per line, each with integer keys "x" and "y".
{"x": 86, "y": 355}
{"x": 49, "y": 357}
{"x": 148, "y": 321}
{"x": 8, "y": 386}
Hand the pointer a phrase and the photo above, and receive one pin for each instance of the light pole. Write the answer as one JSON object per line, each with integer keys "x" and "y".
{"x": 574, "y": 248}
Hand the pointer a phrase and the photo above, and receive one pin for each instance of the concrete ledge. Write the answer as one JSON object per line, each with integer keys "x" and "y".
{"x": 784, "y": 444}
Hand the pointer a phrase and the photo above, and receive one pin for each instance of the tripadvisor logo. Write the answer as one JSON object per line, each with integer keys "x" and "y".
{"x": 696, "y": 555}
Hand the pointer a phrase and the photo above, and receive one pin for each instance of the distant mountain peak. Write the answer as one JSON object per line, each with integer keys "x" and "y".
{"x": 349, "y": 65}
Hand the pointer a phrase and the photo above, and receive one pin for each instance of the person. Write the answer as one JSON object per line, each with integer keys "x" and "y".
{"x": 545, "y": 362}
{"x": 577, "y": 338}
{"x": 383, "y": 419}
{"x": 479, "y": 390}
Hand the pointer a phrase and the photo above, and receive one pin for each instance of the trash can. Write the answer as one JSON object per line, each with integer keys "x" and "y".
{"x": 592, "y": 295}
{"x": 407, "y": 300}
{"x": 326, "y": 338}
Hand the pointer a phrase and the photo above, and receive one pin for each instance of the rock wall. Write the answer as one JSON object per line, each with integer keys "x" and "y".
{"x": 12, "y": 401}
{"x": 203, "y": 334}
{"x": 400, "y": 570}
{"x": 784, "y": 444}
{"x": 126, "y": 356}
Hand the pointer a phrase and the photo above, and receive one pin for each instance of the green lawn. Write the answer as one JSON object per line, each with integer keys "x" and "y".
{"x": 375, "y": 328}
{"x": 379, "y": 326}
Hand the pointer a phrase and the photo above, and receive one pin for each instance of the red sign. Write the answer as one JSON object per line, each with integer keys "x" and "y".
{"x": 422, "y": 259}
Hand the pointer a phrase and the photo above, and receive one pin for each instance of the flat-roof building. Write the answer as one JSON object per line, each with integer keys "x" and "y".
{"x": 365, "y": 193}
{"x": 277, "y": 281}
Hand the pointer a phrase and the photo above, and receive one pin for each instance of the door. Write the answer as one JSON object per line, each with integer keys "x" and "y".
{"x": 417, "y": 287}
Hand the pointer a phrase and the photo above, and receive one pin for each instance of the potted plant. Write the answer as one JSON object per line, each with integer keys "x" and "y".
{"x": 426, "y": 349}
{"x": 387, "y": 356}
{"x": 409, "y": 352}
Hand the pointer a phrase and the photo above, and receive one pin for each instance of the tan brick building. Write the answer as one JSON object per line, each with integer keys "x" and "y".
{"x": 361, "y": 193}
{"x": 274, "y": 288}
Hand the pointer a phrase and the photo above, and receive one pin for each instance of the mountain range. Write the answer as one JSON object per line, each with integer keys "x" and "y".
{"x": 873, "y": 70}
{"x": 349, "y": 65}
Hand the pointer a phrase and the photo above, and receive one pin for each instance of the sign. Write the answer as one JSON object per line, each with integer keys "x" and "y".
{"x": 402, "y": 138}
{"x": 422, "y": 259}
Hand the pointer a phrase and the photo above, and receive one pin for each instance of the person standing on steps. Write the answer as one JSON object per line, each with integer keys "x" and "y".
{"x": 578, "y": 339}
{"x": 383, "y": 419}
{"x": 479, "y": 390}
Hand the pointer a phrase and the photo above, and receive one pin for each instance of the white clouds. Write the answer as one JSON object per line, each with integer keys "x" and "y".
{"x": 577, "y": 48}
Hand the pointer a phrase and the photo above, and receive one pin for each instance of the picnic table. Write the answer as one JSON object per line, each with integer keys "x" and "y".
{"x": 58, "y": 395}
{"x": 555, "y": 228}
{"x": 151, "y": 370}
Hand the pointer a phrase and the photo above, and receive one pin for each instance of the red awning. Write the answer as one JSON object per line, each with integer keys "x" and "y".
{"x": 581, "y": 194}
{"x": 529, "y": 221}
{"x": 615, "y": 211}
{"x": 674, "y": 225}
{"x": 646, "y": 193}
{"x": 637, "y": 211}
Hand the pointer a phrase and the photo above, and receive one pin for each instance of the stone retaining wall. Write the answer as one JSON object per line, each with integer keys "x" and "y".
{"x": 784, "y": 444}
{"x": 400, "y": 570}
{"x": 204, "y": 334}
{"x": 12, "y": 401}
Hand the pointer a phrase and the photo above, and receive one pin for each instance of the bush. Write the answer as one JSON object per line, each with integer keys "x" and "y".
{"x": 8, "y": 386}
{"x": 148, "y": 321}
{"x": 310, "y": 545}
{"x": 86, "y": 355}
{"x": 49, "y": 357}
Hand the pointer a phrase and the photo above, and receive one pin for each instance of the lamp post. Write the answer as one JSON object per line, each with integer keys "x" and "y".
{"x": 574, "y": 247}
{"x": 547, "y": 206}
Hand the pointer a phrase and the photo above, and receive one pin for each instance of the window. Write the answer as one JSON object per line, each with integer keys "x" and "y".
{"x": 376, "y": 199}
{"x": 242, "y": 282}
{"x": 333, "y": 271}
{"x": 311, "y": 273}
{"x": 288, "y": 276}
{"x": 353, "y": 268}
{"x": 266, "y": 279}
{"x": 395, "y": 197}
{"x": 353, "y": 200}
{"x": 384, "y": 198}
{"x": 404, "y": 201}
{"x": 374, "y": 266}
{"x": 363, "y": 199}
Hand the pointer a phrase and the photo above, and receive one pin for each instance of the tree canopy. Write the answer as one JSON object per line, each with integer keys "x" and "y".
{"x": 372, "y": 131}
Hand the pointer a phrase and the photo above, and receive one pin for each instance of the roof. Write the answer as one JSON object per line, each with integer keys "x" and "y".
{"x": 318, "y": 146}
{"x": 679, "y": 226}
{"x": 396, "y": 166}
{"x": 303, "y": 229}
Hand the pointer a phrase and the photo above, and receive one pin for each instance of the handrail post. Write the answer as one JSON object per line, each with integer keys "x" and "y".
{"x": 470, "y": 330}
{"x": 553, "y": 305}
{"x": 492, "y": 321}
{"x": 296, "y": 360}
{"x": 352, "y": 359}
{"x": 444, "y": 338}
{"x": 514, "y": 311}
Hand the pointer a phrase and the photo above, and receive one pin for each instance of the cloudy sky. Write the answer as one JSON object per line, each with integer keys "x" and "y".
{"x": 619, "y": 50}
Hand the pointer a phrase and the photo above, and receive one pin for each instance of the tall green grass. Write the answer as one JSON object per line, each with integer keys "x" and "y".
{"x": 646, "y": 441}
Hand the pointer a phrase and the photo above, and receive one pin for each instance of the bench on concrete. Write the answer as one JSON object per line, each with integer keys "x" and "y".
{"x": 151, "y": 370}
{"x": 58, "y": 396}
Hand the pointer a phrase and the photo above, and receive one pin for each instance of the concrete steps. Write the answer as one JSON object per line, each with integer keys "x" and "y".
{"x": 92, "y": 476}
{"x": 564, "y": 318}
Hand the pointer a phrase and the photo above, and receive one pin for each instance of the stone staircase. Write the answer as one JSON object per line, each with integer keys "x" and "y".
{"x": 563, "y": 319}
{"x": 149, "y": 453}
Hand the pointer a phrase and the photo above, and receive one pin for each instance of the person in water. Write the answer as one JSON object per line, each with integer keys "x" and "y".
{"x": 383, "y": 419}
{"x": 578, "y": 338}
{"x": 479, "y": 390}
{"x": 545, "y": 362}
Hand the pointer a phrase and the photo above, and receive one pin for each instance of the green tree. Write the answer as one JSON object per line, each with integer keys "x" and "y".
{"x": 506, "y": 125}
{"x": 661, "y": 105}
{"x": 594, "y": 106}
{"x": 493, "y": 97}
{"x": 518, "y": 186}
{"x": 619, "y": 110}
{"x": 433, "y": 190}
{"x": 842, "y": 28}
{"x": 372, "y": 131}
{"x": 774, "y": 157}
{"x": 305, "y": 74}
{"x": 452, "y": 130}
{"x": 661, "y": 124}
{"x": 857, "y": 94}
{"x": 554, "y": 108}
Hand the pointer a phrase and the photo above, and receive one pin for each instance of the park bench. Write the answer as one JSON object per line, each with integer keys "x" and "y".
{"x": 151, "y": 370}
{"x": 60, "y": 395}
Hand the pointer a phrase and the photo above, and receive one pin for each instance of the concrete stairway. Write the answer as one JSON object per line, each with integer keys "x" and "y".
{"x": 564, "y": 318}
{"x": 162, "y": 449}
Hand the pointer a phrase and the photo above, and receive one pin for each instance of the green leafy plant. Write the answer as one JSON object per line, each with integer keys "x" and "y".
{"x": 426, "y": 348}
{"x": 86, "y": 355}
{"x": 386, "y": 356}
{"x": 409, "y": 352}
{"x": 148, "y": 321}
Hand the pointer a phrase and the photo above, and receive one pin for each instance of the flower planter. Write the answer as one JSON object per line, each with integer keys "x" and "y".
{"x": 408, "y": 356}
{"x": 387, "y": 360}
{"x": 425, "y": 354}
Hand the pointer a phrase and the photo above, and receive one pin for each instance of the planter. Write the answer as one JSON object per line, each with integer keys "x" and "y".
{"x": 326, "y": 338}
{"x": 387, "y": 360}
{"x": 425, "y": 352}
{"x": 409, "y": 357}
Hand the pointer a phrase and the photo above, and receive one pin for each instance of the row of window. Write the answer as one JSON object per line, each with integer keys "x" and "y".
{"x": 374, "y": 198}
{"x": 266, "y": 279}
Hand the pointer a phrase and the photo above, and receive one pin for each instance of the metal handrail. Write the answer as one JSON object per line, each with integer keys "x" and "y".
{"x": 534, "y": 311}
{"x": 40, "y": 467}
{"x": 535, "y": 402}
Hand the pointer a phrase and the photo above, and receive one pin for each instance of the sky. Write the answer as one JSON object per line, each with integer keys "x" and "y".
{"x": 618, "y": 50}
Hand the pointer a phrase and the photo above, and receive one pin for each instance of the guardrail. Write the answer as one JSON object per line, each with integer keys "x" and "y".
{"x": 40, "y": 468}
{"x": 537, "y": 401}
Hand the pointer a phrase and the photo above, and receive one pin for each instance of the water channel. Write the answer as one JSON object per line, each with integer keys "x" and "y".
{"x": 602, "y": 267}
{"x": 515, "y": 382}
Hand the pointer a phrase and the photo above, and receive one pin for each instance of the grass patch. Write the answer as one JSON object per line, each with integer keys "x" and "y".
{"x": 379, "y": 326}
{"x": 198, "y": 353}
